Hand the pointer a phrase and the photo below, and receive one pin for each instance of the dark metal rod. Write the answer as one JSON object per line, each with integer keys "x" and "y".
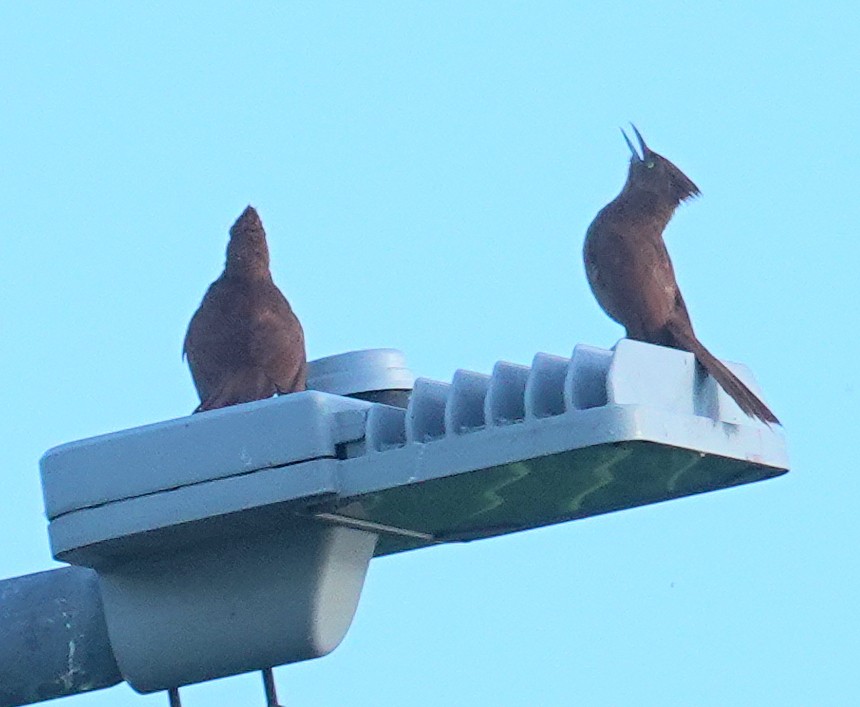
{"x": 379, "y": 528}
{"x": 269, "y": 685}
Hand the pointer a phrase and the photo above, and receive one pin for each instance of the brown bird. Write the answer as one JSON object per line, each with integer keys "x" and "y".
{"x": 631, "y": 274}
{"x": 244, "y": 342}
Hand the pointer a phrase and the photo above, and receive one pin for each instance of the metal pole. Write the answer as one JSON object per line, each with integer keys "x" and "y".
{"x": 269, "y": 685}
{"x": 54, "y": 638}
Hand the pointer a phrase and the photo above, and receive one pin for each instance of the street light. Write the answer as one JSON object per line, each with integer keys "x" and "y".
{"x": 239, "y": 539}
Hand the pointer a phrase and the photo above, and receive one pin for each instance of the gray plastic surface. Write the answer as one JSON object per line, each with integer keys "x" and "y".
{"x": 364, "y": 371}
{"x": 276, "y": 505}
{"x": 235, "y": 605}
{"x": 196, "y": 449}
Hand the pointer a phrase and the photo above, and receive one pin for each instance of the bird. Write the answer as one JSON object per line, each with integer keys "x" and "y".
{"x": 631, "y": 275}
{"x": 245, "y": 342}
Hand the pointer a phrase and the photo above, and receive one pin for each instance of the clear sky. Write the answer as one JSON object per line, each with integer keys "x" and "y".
{"x": 426, "y": 173}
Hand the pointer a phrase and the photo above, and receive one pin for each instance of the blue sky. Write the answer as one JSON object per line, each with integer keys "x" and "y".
{"x": 426, "y": 173}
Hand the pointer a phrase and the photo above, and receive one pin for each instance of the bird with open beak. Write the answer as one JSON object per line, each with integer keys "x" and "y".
{"x": 631, "y": 274}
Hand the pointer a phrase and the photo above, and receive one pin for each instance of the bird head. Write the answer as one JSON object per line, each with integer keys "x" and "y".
{"x": 247, "y": 251}
{"x": 655, "y": 174}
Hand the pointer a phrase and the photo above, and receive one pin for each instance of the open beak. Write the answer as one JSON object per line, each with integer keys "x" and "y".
{"x": 642, "y": 146}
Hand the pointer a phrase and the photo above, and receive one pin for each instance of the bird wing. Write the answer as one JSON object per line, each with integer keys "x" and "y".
{"x": 277, "y": 344}
{"x": 244, "y": 343}
{"x": 634, "y": 281}
{"x": 213, "y": 342}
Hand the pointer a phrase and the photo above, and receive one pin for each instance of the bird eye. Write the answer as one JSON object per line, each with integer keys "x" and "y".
{"x": 650, "y": 164}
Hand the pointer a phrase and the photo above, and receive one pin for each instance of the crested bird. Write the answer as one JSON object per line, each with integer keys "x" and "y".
{"x": 245, "y": 342}
{"x": 631, "y": 274}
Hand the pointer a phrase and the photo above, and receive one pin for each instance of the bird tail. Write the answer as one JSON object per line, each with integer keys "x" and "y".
{"x": 241, "y": 386}
{"x": 739, "y": 392}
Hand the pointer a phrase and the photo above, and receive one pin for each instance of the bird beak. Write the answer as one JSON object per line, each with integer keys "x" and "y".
{"x": 636, "y": 156}
{"x": 645, "y": 149}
